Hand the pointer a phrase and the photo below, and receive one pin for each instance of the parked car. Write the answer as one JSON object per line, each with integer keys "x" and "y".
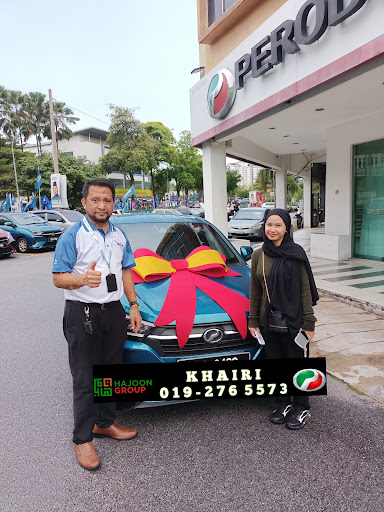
{"x": 247, "y": 223}
{"x": 29, "y": 231}
{"x": 6, "y": 243}
{"x": 185, "y": 210}
{"x": 271, "y": 206}
{"x": 63, "y": 218}
{"x": 213, "y": 334}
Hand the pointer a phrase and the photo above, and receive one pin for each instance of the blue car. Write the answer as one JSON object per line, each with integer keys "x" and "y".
{"x": 209, "y": 300}
{"x": 29, "y": 231}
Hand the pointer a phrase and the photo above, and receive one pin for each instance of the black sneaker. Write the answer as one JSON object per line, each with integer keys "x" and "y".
{"x": 279, "y": 415}
{"x": 297, "y": 418}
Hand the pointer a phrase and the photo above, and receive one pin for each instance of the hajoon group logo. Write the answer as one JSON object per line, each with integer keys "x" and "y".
{"x": 221, "y": 93}
{"x": 309, "y": 380}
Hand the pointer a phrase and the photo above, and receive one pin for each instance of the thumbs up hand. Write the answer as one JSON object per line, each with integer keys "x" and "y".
{"x": 92, "y": 277}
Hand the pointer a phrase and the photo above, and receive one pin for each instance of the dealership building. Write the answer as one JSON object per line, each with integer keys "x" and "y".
{"x": 298, "y": 87}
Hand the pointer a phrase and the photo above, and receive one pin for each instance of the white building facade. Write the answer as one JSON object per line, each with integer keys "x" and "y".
{"x": 303, "y": 93}
{"x": 89, "y": 143}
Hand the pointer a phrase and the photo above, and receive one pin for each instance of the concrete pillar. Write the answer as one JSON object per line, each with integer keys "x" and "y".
{"x": 307, "y": 195}
{"x": 215, "y": 185}
{"x": 281, "y": 185}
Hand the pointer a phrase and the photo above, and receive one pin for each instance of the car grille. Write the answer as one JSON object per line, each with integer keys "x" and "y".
{"x": 3, "y": 240}
{"x": 163, "y": 341}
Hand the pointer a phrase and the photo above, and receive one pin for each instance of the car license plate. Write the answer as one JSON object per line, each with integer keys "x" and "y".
{"x": 242, "y": 356}
{"x": 3, "y": 245}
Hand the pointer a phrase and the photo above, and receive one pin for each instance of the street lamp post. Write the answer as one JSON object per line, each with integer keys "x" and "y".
{"x": 53, "y": 134}
{"x": 52, "y": 118}
{"x": 14, "y": 166}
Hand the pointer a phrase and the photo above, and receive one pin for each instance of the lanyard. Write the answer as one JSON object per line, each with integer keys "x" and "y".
{"x": 88, "y": 227}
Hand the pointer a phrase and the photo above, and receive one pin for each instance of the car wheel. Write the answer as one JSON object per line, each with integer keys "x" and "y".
{"x": 22, "y": 244}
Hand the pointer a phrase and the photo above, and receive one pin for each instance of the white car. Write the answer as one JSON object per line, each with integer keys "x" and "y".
{"x": 268, "y": 205}
{"x": 63, "y": 218}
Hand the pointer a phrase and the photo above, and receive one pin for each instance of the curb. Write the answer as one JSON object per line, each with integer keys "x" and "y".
{"x": 370, "y": 307}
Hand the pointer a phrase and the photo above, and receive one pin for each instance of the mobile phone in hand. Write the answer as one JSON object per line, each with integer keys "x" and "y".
{"x": 259, "y": 337}
{"x": 301, "y": 340}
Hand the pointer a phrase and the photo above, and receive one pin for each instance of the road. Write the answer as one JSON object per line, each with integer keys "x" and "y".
{"x": 203, "y": 456}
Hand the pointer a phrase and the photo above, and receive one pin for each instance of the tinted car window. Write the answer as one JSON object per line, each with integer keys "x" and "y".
{"x": 40, "y": 214}
{"x": 177, "y": 240}
{"x": 53, "y": 216}
{"x": 249, "y": 215}
{"x": 26, "y": 218}
{"x": 72, "y": 216}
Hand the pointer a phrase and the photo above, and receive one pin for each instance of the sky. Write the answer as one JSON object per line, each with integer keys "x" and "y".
{"x": 92, "y": 53}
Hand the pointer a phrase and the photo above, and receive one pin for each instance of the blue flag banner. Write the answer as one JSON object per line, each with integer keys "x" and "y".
{"x": 22, "y": 206}
{"x": 45, "y": 202}
{"x": 13, "y": 200}
{"x": 6, "y": 204}
{"x": 131, "y": 192}
{"x": 126, "y": 207}
{"x": 32, "y": 204}
{"x": 156, "y": 200}
{"x": 39, "y": 181}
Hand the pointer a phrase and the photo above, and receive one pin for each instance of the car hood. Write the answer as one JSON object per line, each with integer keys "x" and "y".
{"x": 151, "y": 297}
{"x": 234, "y": 223}
{"x": 44, "y": 228}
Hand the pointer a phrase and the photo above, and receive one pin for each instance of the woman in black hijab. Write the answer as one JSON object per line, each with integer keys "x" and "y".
{"x": 282, "y": 280}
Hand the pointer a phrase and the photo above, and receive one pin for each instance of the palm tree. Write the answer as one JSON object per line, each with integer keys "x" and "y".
{"x": 61, "y": 122}
{"x": 37, "y": 109}
{"x": 16, "y": 122}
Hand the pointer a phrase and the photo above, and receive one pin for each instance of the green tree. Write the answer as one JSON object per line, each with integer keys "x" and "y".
{"x": 160, "y": 155}
{"x": 233, "y": 178}
{"x": 77, "y": 170}
{"x": 128, "y": 144}
{"x": 186, "y": 161}
{"x": 37, "y": 109}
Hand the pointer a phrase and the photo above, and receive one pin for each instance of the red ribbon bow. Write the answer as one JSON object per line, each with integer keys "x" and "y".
{"x": 180, "y": 302}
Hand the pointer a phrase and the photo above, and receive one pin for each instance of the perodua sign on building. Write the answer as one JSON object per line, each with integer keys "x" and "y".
{"x": 221, "y": 93}
{"x": 269, "y": 52}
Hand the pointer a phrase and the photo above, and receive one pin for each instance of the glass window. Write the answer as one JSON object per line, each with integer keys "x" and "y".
{"x": 175, "y": 240}
{"x": 73, "y": 215}
{"x": 368, "y": 200}
{"x": 54, "y": 217}
{"x": 215, "y": 10}
{"x": 256, "y": 215}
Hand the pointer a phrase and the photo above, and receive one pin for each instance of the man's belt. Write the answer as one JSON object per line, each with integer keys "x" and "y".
{"x": 106, "y": 305}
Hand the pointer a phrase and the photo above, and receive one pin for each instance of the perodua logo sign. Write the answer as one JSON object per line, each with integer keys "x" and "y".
{"x": 221, "y": 93}
{"x": 312, "y": 21}
{"x": 213, "y": 335}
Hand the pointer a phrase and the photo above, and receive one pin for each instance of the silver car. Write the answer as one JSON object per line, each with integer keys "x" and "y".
{"x": 247, "y": 223}
{"x": 63, "y": 218}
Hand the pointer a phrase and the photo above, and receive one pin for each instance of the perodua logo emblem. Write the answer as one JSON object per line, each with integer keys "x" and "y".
{"x": 221, "y": 93}
{"x": 213, "y": 335}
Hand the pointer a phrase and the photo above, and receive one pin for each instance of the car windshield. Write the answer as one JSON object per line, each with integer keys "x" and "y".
{"x": 72, "y": 215}
{"x": 249, "y": 215}
{"x": 175, "y": 241}
{"x": 27, "y": 218}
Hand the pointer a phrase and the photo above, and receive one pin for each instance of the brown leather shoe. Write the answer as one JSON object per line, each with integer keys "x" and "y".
{"x": 87, "y": 456}
{"x": 115, "y": 431}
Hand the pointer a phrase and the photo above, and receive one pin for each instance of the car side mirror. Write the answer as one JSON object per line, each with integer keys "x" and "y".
{"x": 246, "y": 252}
{"x": 230, "y": 217}
{"x": 8, "y": 223}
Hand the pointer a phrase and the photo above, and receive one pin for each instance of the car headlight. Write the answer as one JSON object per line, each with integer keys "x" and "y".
{"x": 36, "y": 233}
{"x": 256, "y": 227}
{"x": 144, "y": 330}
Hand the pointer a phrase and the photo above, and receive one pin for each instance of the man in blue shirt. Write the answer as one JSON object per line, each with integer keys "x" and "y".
{"x": 92, "y": 264}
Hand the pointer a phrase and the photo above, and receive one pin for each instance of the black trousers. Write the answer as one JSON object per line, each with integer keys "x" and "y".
{"x": 103, "y": 346}
{"x": 282, "y": 346}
